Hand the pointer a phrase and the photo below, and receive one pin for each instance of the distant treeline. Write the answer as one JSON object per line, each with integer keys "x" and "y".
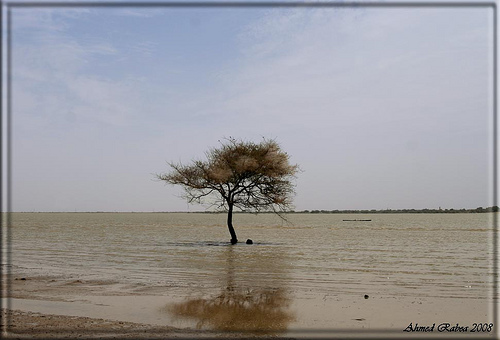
{"x": 403, "y": 211}
{"x": 374, "y": 211}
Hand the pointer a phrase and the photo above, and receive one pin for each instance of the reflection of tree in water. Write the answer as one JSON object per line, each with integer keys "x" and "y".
{"x": 246, "y": 302}
{"x": 256, "y": 311}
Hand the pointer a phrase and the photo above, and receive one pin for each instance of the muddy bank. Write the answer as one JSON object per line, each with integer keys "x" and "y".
{"x": 36, "y": 325}
{"x": 30, "y": 325}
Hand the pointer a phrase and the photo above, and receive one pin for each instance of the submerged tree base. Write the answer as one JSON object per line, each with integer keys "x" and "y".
{"x": 234, "y": 241}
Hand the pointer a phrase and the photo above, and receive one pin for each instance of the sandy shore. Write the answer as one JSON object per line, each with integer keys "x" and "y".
{"x": 23, "y": 325}
{"x": 50, "y": 293}
{"x": 31, "y": 325}
{"x": 56, "y": 307}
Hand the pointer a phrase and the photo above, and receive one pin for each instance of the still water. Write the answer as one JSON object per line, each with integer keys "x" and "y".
{"x": 398, "y": 255}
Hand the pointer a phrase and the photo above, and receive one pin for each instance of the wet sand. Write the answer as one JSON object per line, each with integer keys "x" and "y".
{"x": 49, "y": 307}
{"x": 24, "y": 325}
{"x": 55, "y": 307}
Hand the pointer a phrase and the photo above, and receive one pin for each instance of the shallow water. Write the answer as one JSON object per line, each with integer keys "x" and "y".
{"x": 395, "y": 255}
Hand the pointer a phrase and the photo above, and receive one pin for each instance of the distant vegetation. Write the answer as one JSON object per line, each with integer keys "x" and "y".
{"x": 386, "y": 211}
{"x": 373, "y": 211}
{"x": 403, "y": 211}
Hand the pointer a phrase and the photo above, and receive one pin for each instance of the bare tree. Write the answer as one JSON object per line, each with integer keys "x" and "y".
{"x": 244, "y": 175}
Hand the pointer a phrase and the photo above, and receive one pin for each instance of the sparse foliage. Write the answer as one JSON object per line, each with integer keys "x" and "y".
{"x": 245, "y": 175}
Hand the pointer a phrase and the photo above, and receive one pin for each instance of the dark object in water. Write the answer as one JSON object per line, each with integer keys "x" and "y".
{"x": 366, "y": 296}
{"x": 358, "y": 220}
{"x": 249, "y": 241}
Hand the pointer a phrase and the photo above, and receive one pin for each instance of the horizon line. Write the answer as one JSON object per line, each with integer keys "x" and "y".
{"x": 306, "y": 211}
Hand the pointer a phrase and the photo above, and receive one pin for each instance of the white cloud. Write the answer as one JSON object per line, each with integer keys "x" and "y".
{"x": 46, "y": 19}
{"x": 331, "y": 64}
{"x": 139, "y": 13}
{"x": 383, "y": 102}
{"x": 51, "y": 76}
{"x": 402, "y": 85}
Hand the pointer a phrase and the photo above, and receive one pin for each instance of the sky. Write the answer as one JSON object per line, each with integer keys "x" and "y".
{"x": 381, "y": 107}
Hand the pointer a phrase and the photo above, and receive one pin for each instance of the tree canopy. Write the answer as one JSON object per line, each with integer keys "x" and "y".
{"x": 250, "y": 176}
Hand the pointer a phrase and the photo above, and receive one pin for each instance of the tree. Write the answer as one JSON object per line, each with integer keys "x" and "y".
{"x": 244, "y": 175}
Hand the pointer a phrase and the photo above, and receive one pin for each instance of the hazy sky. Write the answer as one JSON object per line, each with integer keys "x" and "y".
{"x": 381, "y": 107}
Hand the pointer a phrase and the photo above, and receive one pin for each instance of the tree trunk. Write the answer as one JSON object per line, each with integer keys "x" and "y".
{"x": 234, "y": 240}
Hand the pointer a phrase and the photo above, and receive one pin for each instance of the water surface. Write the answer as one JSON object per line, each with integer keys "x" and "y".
{"x": 445, "y": 256}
